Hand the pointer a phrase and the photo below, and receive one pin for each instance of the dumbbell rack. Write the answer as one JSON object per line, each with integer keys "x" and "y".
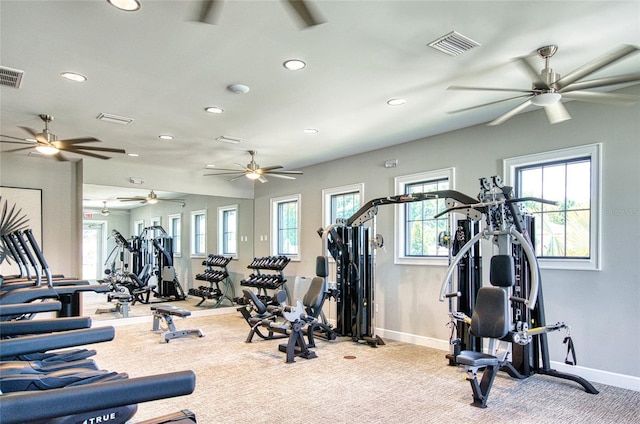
{"x": 215, "y": 274}
{"x": 267, "y": 281}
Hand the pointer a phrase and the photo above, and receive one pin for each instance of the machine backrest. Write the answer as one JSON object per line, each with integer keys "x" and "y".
{"x": 322, "y": 266}
{"x": 502, "y": 271}
{"x": 314, "y": 296}
{"x": 261, "y": 308}
{"x": 491, "y": 314}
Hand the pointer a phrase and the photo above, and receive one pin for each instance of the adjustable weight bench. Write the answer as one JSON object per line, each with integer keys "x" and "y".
{"x": 166, "y": 312}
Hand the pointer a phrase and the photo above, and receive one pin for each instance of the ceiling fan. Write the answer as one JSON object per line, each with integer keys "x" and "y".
{"x": 302, "y": 9}
{"x": 549, "y": 88}
{"x": 151, "y": 199}
{"x": 105, "y": 211}
{"x": 253, "y": 171}
{"x": 47, "y": 143}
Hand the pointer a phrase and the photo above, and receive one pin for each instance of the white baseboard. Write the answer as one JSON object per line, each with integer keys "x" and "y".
{"x": 590, "y": 374}
{"x": 599, "y": 376}
{"x": 413, "y": 339}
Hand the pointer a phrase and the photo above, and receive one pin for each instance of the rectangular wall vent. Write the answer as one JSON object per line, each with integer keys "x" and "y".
{"x": 115, "y": 119}
{"x": 453, "y": 44}
{"x": 10, "y": 77}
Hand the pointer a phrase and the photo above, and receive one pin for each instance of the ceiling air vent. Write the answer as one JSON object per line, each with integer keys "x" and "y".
{"x": 453, "y": 44}
{"x": 10, "y": 77}
{"x": 115, "y": 119}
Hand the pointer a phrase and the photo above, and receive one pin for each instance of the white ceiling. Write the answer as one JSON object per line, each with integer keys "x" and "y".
{"x": 162, "y": 68}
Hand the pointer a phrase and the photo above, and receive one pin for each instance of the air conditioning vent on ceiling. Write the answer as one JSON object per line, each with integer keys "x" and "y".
{"x": 10, "y": 77}
{"x": 115, "y": 119}
{"x": 453, "y": 44}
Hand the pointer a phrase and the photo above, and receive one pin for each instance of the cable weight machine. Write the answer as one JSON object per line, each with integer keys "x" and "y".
{"x": 511, "y": 230}
{"x": 352, "y": 244}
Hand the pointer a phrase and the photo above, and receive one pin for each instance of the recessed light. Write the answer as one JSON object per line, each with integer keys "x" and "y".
{"x": 294, "y": 64}
{"x": 214, "y": 109}
{"x": 210, "y": 166}
{"x": 73, "y": 76}
{"x": 238, "y": 88}
{"x": 396, "y": 102}
{"x": 310, "y": 131}
{"x": 127, "y": 5}
{"x": 133, "y": 155}
{"x": 165, "y": 137}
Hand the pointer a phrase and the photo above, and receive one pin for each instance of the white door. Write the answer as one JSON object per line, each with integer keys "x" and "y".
{"x": 92, "y": 250}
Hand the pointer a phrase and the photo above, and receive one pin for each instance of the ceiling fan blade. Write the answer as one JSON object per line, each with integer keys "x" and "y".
{"x": 597, "y": 97}
{"x": 172, "y": 200}
{"x": 556, "y": 112}
{"x": 60, "y": 157}
{"x": 530, "y": 69}
{"x": 234, "y": 178}
{"x": 90, "y": 148}
{"x": 286, "y": 172}
{"x": 224, "y": 173}
{"x": 284, "y": 177}
{"x": 71, "y": 141}
{"x": 15, "y": 138}
{"x": 306, "y": 12}
{"x": 503, "y": 118}
{"x": 93, "y": 155}
{"x": 488, "y": 104}
{"x": 517, "y": 90}
{"x": 17, "y": 142}
{"x": 595, "y": 65}
{"x": 31, "y": 132}
{"x": 208, "y": 11}
{"x": 262, "y": 179}
{"x": 22, "y": 148}
{"x": 602, "y": 82}
{"x": 269, "y": 168}
{"x": 223, "y": 169}
{"x": 130, "y": 199}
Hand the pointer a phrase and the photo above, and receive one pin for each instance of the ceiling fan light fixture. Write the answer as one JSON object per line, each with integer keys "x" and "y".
{"x": 253, "y": 175}
{"x": 165, "y": 137}
{"x": 126, "y": 5}
{"x": 47, "y": 150}
{"x": 546, "y": 99}
{"x": 152, "y": 201}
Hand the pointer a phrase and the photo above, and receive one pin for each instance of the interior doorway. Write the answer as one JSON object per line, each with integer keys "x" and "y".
{"x": 93, "y": 249}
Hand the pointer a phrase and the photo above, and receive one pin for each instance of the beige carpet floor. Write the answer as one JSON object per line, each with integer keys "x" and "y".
{"x": 396, "y": 383}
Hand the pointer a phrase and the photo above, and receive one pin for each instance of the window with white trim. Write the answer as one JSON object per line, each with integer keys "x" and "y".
{"x": 285, "y": 226}
{"x": 341, "y": 202}
{"x": 566, "y": 234}
{"x": 228, "y": 230}
{"x": 174, "y": 231}
{"x": 138, "y": 227}
{"x": 418, "y": 230}
{"x": 199, "y": 233}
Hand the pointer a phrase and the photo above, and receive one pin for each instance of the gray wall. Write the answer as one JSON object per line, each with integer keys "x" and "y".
{"x": 600, "y": 306}
{"x": 61, "y": 185}
{"x": 596, "y": 304}
{"x": 187, "y": 267}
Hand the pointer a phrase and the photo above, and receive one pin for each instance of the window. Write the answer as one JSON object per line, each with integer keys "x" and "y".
{"x": 566, "y": 235}
{"x": 285, "y": 226}
{"x": 138, "y": 227}
{"x": 156, "y": 222}
{"x": 174, "y": 233}
{"x": 199, "y": 233}
{"x": 228, "y": 230}
{"x": 341, "y": 202}
{"x": 418, "y": 231}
